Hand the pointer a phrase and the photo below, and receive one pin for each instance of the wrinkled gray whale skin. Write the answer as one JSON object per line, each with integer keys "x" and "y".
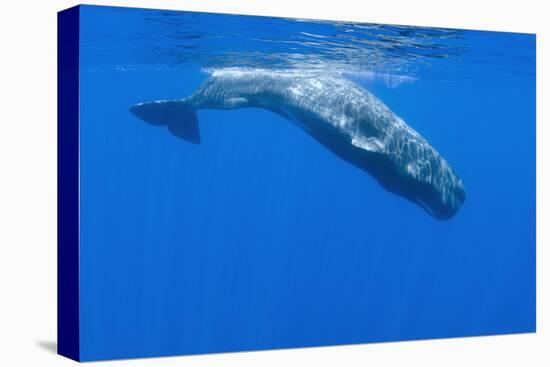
{"x": 345, "y": 118}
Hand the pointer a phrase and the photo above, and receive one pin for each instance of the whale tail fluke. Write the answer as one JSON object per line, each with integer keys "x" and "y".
{"x": 177, "y": 115}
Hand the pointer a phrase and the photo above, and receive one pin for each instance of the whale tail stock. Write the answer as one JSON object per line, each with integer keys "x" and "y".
{"x": 177, "y": 115}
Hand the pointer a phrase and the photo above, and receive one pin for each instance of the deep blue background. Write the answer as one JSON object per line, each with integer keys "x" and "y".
{"x": 261, "y": 238}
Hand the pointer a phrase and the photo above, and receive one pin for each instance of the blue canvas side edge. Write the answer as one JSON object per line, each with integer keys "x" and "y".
{"x": 68, "y": 325}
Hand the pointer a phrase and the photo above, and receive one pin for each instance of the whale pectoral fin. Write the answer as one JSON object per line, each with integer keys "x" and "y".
{"x": 180, "y": 118}
{"x": 370, "y": 144}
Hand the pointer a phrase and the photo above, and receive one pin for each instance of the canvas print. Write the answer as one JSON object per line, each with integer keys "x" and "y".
{"x": 235, "y": 183}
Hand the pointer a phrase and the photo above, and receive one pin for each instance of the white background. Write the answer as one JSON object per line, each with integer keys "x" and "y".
{"x": 28, "y": 183}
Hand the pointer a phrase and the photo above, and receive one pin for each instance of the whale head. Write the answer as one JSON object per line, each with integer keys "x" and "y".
{"x": 414, "y": 170}
{"x": 432, "y": 183}
{"x": 442, "y": 199}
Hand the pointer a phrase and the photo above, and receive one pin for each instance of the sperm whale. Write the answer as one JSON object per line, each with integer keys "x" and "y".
{"x": 348, "y": 120}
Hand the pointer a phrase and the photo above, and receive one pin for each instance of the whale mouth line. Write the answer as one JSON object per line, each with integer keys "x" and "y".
{"x": 426, "y": 207}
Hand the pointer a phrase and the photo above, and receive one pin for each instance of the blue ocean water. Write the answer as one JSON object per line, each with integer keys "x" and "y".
{"x": 259, "y": 237}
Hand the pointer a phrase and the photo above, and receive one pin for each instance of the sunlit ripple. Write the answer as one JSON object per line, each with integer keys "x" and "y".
{"x": 265, "y": 42}
{"x": 396, "y": 54}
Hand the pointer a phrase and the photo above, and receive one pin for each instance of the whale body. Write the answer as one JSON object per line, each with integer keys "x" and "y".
{"x": 345, "y": 118}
